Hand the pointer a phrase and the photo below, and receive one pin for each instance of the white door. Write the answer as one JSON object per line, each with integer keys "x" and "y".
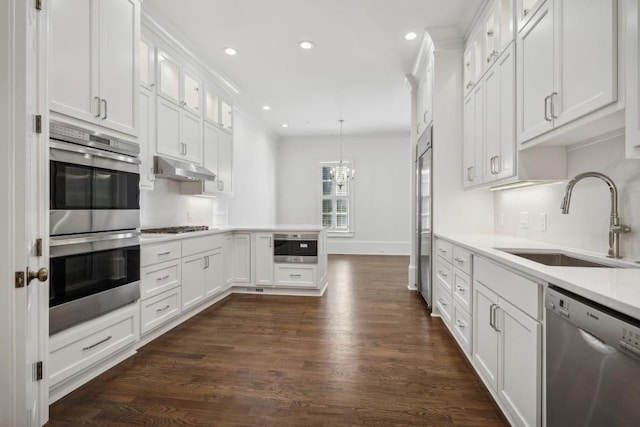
{"x": 264, "y": 259}
{"x": 505, "y": 163}
{"x": 535, "y": 75}
{"x": 584, "y": 81}
{"x": 119, "y": 72}
{"x": 519, "y": 361}
{"x": 478, "y": 133}
{"x": 492, "y": 118}
{"x": 242, "y": 258}
{"x": 24, "y": 169}
{"x": 485, "y": 337}
{"x": 210, "y": 155}
{"x": 168, "y": 128}
{"x": 191, "y": 137}
{"x": 213, "y": 272}
{"x": 146, "y": 124}
{"x": 225, "y": 162}
{"x": 73, "y": 59}
{"x": 192, "y": 280}
{"x": 469, "y": 144}
{"x": 227, "y": 255}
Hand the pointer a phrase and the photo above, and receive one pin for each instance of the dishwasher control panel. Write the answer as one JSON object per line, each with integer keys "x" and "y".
{"x": 598, "y": 323}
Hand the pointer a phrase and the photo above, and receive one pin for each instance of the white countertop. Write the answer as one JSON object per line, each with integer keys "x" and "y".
{"x": 617, "y": 288}
{"x": 147, "y": 238}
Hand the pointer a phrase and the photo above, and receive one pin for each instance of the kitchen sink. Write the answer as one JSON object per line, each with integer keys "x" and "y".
{"x": 557, "y": 259}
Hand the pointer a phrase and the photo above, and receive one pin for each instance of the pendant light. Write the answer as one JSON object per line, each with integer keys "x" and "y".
{"x": 341, "y": 173}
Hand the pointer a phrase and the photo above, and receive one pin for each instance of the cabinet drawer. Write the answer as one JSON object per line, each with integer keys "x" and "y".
{"x": 197, "y": 245}
{"x": 462, "y": 327}
{"x": 159, "y": 278}
{"x": 462, "y": 259}
{"x": 295, "y": 276}
{"x": 524, "y": 293}
{"x": 160, "y": 252}
{"x": 444, "y": 274}
{"x": 159, "y": 309}
{"x": 444, "y": 304}
{"x": 78, "y": 348}
{"x": 462, "y": 290}
{"x": 444, "y": 249}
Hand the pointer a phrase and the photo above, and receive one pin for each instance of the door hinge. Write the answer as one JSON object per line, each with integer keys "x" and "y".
{"x": 38, "y": 124}
{"x": 38, "y": 247}
{"x": 38, "y": 4}
{"x": 37, "y": 371}
{"x": 19, "y": 279}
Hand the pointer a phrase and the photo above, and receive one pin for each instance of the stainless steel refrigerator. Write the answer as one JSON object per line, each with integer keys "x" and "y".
{"x": 424, "y": 210}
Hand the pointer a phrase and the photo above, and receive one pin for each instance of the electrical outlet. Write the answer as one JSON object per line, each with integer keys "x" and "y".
{"x": 524, "y": 220}
{"x": 543, "y": 222}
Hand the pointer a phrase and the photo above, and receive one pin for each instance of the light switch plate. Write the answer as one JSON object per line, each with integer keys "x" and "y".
{"x": 524, "y": 220}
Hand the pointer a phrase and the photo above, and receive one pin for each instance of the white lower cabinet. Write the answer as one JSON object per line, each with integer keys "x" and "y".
{"x": 159, "y": 309}
{"x": 462, "y": 326}
{"x": 76, "y": 349}
{"x": 264, "y": 259}
{"x": 227, "y": 255}
{"x": 444, "y": 303}
{"x": 192, "y": 280}
{"x": 507, "y": 350}
{"x": 295, "y": 275}
{"x": 241, "y": 258}
{"x": 214, "y": 272}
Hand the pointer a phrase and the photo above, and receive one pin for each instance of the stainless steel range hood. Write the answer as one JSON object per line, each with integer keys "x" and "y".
{"x": 177, "y": 170}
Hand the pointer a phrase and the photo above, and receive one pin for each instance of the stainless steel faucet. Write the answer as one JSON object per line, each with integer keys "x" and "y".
{"x": 615, "y": 228}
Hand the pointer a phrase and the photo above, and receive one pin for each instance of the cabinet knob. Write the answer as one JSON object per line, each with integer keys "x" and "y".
{"x": 42, "y": 275}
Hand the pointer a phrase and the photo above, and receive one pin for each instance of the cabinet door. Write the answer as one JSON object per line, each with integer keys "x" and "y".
{"x": 212, "y": 106}
{"x": 147, "y": 65}
{"x": 242, "y": 258}
{"x": 119, "y": 72}
{"x": 519, "y": 384}
{"x": 192, "y": 87}
{"x": 225, "y": 162}
{"x": 264, "y": 259}
{"x": 485, "y": 337}
{"x": 491, "y": 83}
{"x": 477, "y": 96}
{"x": 535, "y": 75}
{"x": 147, "y": 127}
{"x": 469, "y": 143}
{"x": 505, "y": 161}
{"x": 73, "y": 59}
{"x": 585, "y": 57}
{"x": 168, "y": 78}
{"x": 210, "y": 148}
{"x": 226, "y": 115}
{"x": 227, "y": 255}
{"x": 168, "y": 128}
{"x": 492, "y": 33}
{"x": 468, "y": 70}
{"x": 192, "y": 280}
{"x": 191, "y": 137}
{"x": 214, "y": 272}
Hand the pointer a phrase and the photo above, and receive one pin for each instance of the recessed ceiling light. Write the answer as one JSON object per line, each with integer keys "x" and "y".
{"x": 266, "y": 107}
{"x": 284, "y": 125}
{"x": 306, "y": 44}
{"x": 410, "y": 36}
{"x": 230, "y": 51}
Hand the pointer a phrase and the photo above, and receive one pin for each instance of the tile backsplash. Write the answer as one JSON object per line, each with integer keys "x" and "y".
{"x": 587, "y": 224}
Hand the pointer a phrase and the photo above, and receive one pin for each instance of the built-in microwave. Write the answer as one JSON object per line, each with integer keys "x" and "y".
{"x": 94, "y": 182}
{"x": 295, "y": 248}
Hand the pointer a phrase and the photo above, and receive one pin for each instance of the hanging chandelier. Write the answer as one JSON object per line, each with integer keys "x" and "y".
{"x": 341, "y": 174}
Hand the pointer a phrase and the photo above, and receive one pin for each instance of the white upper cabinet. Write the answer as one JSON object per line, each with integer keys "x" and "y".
{"x": 567, "y": 66}
{"x": 168, "y": 78}
{"x": 212, "y": 106}
{"x": 192, "y": 93}
{"x": 424, "y": 94}
{"x": 632, "y": 111}
{"x": 178, "y": 132}
{"x": 226, "y": 115}
{"x": 147, "y": 65}
{"x": 93, "y": 66}
{"x": 225, "y": 163}
{"x": 525, "y": 10}
{"x": 210, "y": 147}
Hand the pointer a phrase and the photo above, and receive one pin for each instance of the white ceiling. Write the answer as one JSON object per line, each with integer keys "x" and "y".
{"x": 355, "y": 72}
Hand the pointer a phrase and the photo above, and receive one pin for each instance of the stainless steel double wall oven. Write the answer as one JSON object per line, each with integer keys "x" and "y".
{"x": 94, "y": 225}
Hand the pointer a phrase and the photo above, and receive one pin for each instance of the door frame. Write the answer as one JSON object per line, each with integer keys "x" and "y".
{"x": 22, "y": 91}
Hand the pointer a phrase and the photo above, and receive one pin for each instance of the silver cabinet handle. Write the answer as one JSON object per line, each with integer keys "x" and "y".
{"x": 461, "y": 288}
{"x": 160, "y": 310}
{"x": 525, "y": 12}
{"x": 270, "y": 241}
{"x": 442, "y": 251}
{"x": 97, "y": 344}
{"x": 424, "y": 116}
{"x": 106, "y": 109}
{"x": 460, "y": 260}
{"x": 295, "y": 275}
{"x": 470, "y": 177}
{"x": 206, "y": 262}
{"x": 495, "y": 318}
{"x": 160, "y": 279}
{"x": 491, "y": 307}
{"x": 470, "y": 84}
{"x": 461, "y": 324}
{"x": 442, "y": 273}
{"x": 546, "y": 108}
{"x": 164, "y": 253}
{"x": 99, "y": 107}
{"x": 442, "y": 302}
{"x": 553, "y": 109}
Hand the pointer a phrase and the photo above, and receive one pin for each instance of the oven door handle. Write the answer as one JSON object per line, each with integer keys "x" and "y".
{"x": 94, "y": 152}
{"x": 90, "y": 238}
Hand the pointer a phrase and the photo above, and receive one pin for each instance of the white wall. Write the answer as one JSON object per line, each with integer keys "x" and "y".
{"x": 253, "y": 200}
{"x": 587, "y": 224}
{"x": 381, "y": 193}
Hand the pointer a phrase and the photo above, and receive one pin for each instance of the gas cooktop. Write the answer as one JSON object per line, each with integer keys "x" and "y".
{"x": 175, "y": 230}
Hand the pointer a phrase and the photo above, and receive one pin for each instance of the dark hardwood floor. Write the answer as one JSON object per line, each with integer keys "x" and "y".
{"x": 365, "y": 354}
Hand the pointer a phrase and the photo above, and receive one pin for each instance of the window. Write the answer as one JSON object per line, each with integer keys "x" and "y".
{"x": 336, "y": 199}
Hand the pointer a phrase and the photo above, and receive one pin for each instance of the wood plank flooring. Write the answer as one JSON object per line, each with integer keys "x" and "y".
{"x": 365, "y": 354}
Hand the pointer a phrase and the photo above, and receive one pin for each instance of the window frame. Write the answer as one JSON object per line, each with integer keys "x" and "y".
{"x": 332, "y": 231}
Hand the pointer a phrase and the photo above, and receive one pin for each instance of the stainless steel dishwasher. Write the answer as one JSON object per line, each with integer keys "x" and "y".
{"x": 593, "y": 363}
